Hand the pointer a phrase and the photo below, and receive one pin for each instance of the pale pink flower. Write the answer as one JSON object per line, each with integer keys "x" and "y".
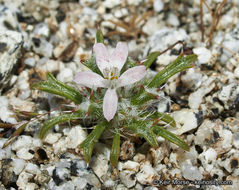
{"x": 110, "y": 66}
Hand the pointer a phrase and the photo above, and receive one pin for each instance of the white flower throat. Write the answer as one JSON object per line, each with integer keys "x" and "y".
{"x": 112, "y": 76}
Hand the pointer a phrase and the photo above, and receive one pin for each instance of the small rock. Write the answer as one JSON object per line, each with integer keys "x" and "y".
{"x": 186, "y": 120}
{"x": 42, "y": 29}
{"x": 22, "y": 141}
{"x": 60, "y": 175}
{"x": 8, "y": 176}
{"x": 210, "y": 155}
{"x": 130, "y": 165}
{"x": 127, "y": 150}
{"x": 173, "y": 20}
{"x": 6, "y": 115}
{"x": 23, "y": 85}
{"x": 99, "y": 164}
{"x": 79, "y": 182}
{"x": 52, "y": 138}
{"x": 42, "y": 47}
{"x": 111, "y": 3}
{"x": 32, "y": 168}
{"x": 146, "y": 175}
{"x": 24, "y": 154}
{"x": 75, "y": 136}
{"x": 190, "y": 172}
{"x": 204, "y": 54}
{"x": 65, "y": 75}
{"x": 18, "y": 166}
{"x": 128, "y": 178}
{"x": 158, "y": 5}
{"x": 9, "y": 55}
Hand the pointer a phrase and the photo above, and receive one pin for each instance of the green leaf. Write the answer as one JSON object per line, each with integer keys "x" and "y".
{"x": 180, "y": 64}
{"x": 164, "y": 117}
{"x": 99, "y": 36}
{"x": 144, "y": 129}
{"x": 170, "y": 137}
{"x": 88, "y": 144}
{"x": 91, "y": 64}
{"x": 115, "y": 150}
{"x": 54, "y": 86}
{"x": 150, "y": 59}
{"x": 142, "y": 96}
{"x": 47, "y": 125}
{"x": 95, "y": 110}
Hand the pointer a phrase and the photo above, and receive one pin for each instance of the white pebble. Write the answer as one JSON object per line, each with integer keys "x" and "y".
{"x": 190, "y": 172}
{"x": 32, "y": 168}
{"x": 24, "y": 153}
{"x": 158, "y": 5}
{"x": 75, "y": 136}
{"x": 147, "y": 174}
{"x": 6, "y": 152}
{"x": 22, "y": 141}
{"x": 236, "y": 72}
{"x": 173, "y": 20}
{"x": 185, "y": 119}
{"x": 210, "y": 154}
{"x": 65, "y": 75}
{"x": 203, "y": 54}
{"x": 52, "y": 138}
{"x": 6, "y": 115}
{"x": 131, "y": 165}
{"x": 18, "y": 165}
{"x": 127, "y": 179}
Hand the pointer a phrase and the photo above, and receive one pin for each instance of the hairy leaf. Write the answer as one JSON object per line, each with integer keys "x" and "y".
{"x": 91, "y": 64}
{"x": 164, "y": 117}
{"x": 99, "y": 36}
{"x": 47, "y": 125}
{"x": 142, "y": 96}
{"x": 54, "y": 86}
{"x": 115, "y": 149}
{"x": 170, "y": 137}
{"x": 144, "y": 129}
{"x": 150, "y": 59}
{"x": 180, "y": 64}
{"x": 88, "y": 144}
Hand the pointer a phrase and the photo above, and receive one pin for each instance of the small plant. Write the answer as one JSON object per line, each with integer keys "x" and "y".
{"x": 119, "y": 99}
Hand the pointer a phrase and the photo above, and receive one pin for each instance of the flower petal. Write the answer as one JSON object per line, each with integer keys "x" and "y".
{"x": 110, "y": 104}
{"x": 132, "y": 75}
{"x": 102, "y": 56}
{"x": 90, "y": 79}
{"x": 119, "y": 56}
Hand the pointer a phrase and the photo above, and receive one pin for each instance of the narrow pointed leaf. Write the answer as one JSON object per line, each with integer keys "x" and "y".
{"x": 91, "y": 64}
{"x": 95, "y": 110}
{"x": 47, "y": 125}
{"x": 88, "y": 144}
{"x": 115, "y": 150}
{"x": 6, "y": 125}
{"x": 142, "y": 97}
{"x": 163, "y": 117}
{"x": 150, "y": 59}
{"x": 180, "y": 64}
{"x": 170, "y": 137}
{"x": 99, "y": 36}
{"x": 144, "y": 129}
{"x": 54, "y": 86}
{"x": 15, "y": 134}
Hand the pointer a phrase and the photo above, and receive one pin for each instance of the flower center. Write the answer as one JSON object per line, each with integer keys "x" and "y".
{"x": 112, "y": 75}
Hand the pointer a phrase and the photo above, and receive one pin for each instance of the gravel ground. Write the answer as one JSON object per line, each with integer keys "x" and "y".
{"x": 37, "y": 37}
